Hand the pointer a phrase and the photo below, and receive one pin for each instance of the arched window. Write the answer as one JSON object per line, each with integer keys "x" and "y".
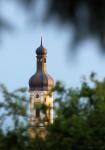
{"x": 44, "y": 60}
{"x": 41, "y": 60}
{"x": 37, "y": 95}
{"x": 45, "y": 99}
{"x": 37, "y": 112}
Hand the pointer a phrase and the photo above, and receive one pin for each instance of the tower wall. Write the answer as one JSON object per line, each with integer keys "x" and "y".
{"x": 40, "y": 117}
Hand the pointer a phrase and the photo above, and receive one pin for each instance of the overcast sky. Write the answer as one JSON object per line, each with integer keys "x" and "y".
{"x": 18, "y": 58}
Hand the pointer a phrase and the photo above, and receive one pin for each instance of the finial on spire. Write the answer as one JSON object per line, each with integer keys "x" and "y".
{"x": 41, "y": 40}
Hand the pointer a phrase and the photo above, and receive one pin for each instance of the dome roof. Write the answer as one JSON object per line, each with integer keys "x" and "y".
{"x": 41, "y": 50}
{"x": 41, "y": 81}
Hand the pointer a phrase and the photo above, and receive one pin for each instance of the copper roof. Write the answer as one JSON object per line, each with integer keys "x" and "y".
{"x": 41, "y": 80}
{"x": 41, "y": 50}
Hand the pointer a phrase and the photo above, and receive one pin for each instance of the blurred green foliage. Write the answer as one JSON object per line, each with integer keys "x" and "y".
{"x": 79, "y": 120}
{"x": 86, "y": 18}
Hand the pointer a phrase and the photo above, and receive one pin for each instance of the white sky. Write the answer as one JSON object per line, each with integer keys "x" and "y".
{"x": 17, "y": 54}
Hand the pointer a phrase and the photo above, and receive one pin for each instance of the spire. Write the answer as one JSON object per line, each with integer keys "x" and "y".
{"x": 41, "y": 50}
{"x": 41, "y": 40}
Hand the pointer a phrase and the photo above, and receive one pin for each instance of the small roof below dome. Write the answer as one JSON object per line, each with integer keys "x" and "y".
{"x": 41, "y": 50}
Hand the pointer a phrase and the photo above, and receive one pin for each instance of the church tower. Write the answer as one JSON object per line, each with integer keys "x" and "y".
{"x": 41, "y": 96}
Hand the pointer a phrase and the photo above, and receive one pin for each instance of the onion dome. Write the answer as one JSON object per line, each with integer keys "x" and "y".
{"x": 41, "y": 50}
{"x": 41, "y": 80}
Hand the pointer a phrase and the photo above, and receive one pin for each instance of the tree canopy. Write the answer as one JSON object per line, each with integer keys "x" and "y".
{"x": 79, "y": 120}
